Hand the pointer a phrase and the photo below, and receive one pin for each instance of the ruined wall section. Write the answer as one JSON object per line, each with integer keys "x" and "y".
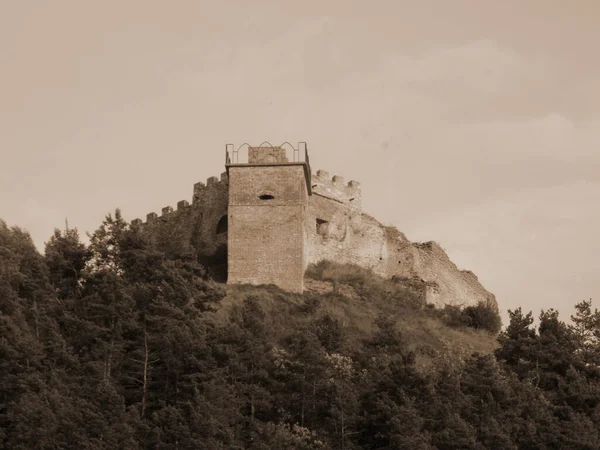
{"x": 452, "y": 286}
{"x": 335, "y": 189}
{"x": 193, "y": 226}
{"x": 337, "y": 230}
{"x": 334, "y": 224}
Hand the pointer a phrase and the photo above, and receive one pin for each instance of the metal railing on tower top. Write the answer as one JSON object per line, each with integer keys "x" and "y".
{"x": 283, "y": 153}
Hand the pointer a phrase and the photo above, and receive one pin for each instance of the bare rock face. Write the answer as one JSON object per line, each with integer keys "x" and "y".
{"x": 276, "y": 218}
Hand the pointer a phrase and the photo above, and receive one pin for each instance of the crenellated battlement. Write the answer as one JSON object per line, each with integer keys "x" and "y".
{"x": 335, "y": 188}
{"x": 203, "y": 193}
{"x": 202, "y": 190}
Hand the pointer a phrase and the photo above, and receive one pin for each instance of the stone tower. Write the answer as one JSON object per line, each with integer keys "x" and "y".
{"x": 268, "y": 197}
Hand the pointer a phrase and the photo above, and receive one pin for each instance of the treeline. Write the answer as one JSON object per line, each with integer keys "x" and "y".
{"x": 115, "y": 345}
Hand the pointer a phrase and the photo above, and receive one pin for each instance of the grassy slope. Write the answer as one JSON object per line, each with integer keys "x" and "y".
{"x": 359, "y": 298}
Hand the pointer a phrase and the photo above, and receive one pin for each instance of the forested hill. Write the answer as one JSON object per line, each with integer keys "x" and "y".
{"x": 127, "y": 344}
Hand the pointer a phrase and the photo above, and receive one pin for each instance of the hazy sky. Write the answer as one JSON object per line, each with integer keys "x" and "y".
{"x": 472, "y": 123}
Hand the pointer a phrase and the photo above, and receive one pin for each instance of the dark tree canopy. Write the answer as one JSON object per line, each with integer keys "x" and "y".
{"x": 129, "y": 343}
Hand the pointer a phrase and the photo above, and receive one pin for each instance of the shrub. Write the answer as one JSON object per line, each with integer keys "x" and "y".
{"x": 482, "y": 316}
{"x": 453, "y": 316}
{"x": 311, "y": 303}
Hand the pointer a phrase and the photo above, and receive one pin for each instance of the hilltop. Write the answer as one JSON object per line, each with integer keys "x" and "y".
{"x": 354, "y": 299}
{"x": 129, "y": 344}
{"x": 268, "y": 217}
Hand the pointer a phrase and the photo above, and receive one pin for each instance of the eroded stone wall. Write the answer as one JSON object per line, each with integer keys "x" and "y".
{"x": 337, "y": 230}
{"x": 452, "y": 285}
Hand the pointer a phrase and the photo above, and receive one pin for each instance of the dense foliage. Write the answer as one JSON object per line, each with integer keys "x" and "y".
{"x": 120, "y": 344}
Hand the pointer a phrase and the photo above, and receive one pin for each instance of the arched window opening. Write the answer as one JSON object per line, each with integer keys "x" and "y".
{"x": 222, "y": 225}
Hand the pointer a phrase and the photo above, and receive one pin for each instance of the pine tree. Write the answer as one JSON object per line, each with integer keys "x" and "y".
{"x": 66, "y": 257}
{"x": 586, "y": 329}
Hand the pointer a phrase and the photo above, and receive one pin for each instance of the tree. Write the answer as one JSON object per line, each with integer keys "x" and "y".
{"x": 66, "y": 257}
{"x": 483, "y": 316}
{"x": 586, "y": 330}
{"x": 105, "y": 244}
{"x": 516, "y": 342}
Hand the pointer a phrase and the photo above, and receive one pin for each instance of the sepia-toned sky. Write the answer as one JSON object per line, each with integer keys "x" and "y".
{"x": 475, "y": 123}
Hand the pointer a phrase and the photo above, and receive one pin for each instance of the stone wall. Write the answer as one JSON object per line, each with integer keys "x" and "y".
{"x": 266, "y": 155}
{"x": 337, "y": 230}
{"x": 452, "y": 286}
{"x": 193, "y": 227}
{"x": 266, "y": 236}
{"x": 272, "y": 240}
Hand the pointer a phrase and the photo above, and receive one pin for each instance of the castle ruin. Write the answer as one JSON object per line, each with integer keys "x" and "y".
{"x": 268, "y": 217}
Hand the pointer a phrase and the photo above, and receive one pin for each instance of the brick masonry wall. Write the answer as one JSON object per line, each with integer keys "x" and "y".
{"x": 266, "y": 236}
{"x": 266, "y": 155}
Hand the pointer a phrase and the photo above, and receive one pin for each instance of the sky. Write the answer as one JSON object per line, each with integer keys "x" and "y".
{"x": 474, "y": 123}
